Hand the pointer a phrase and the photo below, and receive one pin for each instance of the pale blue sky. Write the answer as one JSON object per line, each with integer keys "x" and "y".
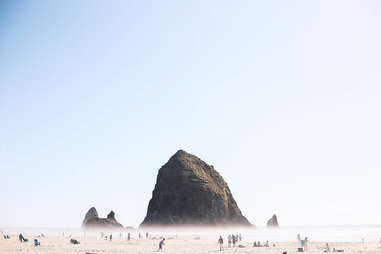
{"x": 282, "y": 97}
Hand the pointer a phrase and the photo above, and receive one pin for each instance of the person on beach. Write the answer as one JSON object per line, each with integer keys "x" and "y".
{"x": 147, "y": 235}
{"x": 305, "y": 244}
{"x": 229, "y": 241}
{"x": 299, "y": 238}
{"x": 221, "y": 243}
{"x": 327, "y": 247}
{"x": 110, "y": 237}
{"x": 301, "y": 242}
{"x": 161, "y": 244}
{"x": 21, "y": 238}
{"x": 234, "y": 240}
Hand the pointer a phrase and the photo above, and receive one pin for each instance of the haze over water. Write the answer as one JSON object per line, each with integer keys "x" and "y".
{"x": 284, "y": 234}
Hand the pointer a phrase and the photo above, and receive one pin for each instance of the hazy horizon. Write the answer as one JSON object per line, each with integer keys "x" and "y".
{"x": 282, "y": 98}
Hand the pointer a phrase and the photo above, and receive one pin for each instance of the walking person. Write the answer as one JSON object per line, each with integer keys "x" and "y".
{"x": 161, "y": 244}
{"x": 221, "y": 243}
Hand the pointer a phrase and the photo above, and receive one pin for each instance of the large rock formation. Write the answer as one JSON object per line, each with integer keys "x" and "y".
{"x": 273, "y": 222}
{"x": 190, "y": 192}
{"x": 92, "y": 221}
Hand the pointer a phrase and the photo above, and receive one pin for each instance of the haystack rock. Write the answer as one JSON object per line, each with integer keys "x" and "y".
{"x": 273, "y": 222}
{"x": 92, "y": 221}
{"x": 189, "y": 192}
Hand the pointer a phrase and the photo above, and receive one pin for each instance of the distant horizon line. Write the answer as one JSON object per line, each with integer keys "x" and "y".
{"x": 205, "y": 227}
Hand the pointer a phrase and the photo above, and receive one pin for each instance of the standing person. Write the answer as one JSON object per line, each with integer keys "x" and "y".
{"x": 147, "y": 235}
{"x": 234, "y": 240}
{"x": 110, "y": 237}
{"x": 299, "y": 240}
{"x": 327, "y": 247}
{"x": 221, "y": 243}
{"x": 161, "y": 244}
{"x": 140, "y": 235}
{"x": 305, "y": 244}
{"x": 229, "y": 241}
{"x": 128, "y": 236}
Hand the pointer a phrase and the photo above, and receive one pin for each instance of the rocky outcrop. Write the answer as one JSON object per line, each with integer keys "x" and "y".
{"x": 273, "y": 222}
{"x": 188, "y": 191}
{"x": 111, "y": 216}
{"x": 92, "y": 213}
{"x": 92, "y": 221}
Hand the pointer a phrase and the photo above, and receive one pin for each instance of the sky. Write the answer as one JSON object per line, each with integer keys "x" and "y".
{"x": 282, "y": 97}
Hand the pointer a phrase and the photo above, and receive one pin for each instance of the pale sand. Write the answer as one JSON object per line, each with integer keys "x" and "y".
{"x": 61, "y": 245}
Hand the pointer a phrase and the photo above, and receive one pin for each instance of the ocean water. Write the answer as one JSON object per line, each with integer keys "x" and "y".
{"x": 366, "y": 233}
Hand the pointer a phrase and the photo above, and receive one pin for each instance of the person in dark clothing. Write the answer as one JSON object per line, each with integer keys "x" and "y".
{"x": 161, "y": 244}
{"x": 221, "y": 243}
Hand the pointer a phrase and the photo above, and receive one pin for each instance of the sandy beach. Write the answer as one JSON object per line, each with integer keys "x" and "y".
{"x": 182, "y": 244}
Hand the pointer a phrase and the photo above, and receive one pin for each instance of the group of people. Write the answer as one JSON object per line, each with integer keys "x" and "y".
{"x": 106, "y": 237}
{"x": 328, "y": 249}
{"x": 258, "y": 244}
{"x": 22, "y": 239}
{"x": 232, "y": 240}
{"x": 303, "y": 243}
{"x": 109, "y": 237}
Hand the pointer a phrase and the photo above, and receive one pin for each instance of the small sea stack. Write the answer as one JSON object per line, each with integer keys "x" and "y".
{"x": 273, "y": 222}
{"x": 93, "y": 222}
{"x": 189, "y": 192}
